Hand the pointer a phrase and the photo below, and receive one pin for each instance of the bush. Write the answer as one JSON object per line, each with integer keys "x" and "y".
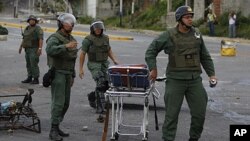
{"x": 85, "y": 20}
{"x": 3, "y": 30}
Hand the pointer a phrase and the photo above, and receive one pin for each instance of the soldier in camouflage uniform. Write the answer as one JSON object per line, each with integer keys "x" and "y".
{"x": 97, "y": 46}
{"x": 62, "y": 52}
{"x": 186, "y": 53}
{"x": 32, "y": 43}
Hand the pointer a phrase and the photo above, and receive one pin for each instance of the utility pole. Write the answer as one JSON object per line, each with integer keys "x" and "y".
{"x": 120, "y": 13}
{"x": 29, "y": 7}
{"x": 33, "y": 6}
{"x": 132, "y": 12}
{"x": 15, "y": 3}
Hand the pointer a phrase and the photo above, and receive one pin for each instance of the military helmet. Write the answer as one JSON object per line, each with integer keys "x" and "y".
{"x": 183, "y": 10}
{"x": 66, "y": 18}
{"x": 32, "y": 17}
{"x": 96, "y": 24}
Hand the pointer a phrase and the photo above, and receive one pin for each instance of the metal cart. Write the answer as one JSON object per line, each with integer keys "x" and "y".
{"x": 129, "y": 81}
{"x": 16, "y": 115}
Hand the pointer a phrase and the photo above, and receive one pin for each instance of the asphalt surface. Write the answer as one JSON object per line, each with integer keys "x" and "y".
{"x": 228, "y": 102}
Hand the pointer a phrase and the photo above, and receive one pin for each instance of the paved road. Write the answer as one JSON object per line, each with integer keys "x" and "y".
{"x": 228, "y": 102}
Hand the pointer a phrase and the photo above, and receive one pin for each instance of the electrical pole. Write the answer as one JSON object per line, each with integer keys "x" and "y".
{"x": 120, "y": 13}
{"x": 132, "y": 12}
{"x": 15, "y": 3}
{"x": 29, "y": 7}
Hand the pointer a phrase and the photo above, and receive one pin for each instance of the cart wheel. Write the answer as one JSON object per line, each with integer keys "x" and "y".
{"x": 116, "y": 136}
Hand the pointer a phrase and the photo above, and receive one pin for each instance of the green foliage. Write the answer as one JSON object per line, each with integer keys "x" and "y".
{"x": 85, "y": 20}
{"x": 148, "y": 19}
{"x": 3, "y": 30}
{"x": 177, "y": 3}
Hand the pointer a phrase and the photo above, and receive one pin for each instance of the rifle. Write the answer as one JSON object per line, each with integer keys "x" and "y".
{"x": 106, "y": 122}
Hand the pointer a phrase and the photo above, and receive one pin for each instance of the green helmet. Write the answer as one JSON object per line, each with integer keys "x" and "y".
{"x": 32, "y": 17}
{"x": 181, "y": 11}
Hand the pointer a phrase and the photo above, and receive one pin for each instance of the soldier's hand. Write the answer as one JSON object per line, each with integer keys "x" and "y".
{"x": 39, "y": 52}
{"x": 72, "y": 82}
{"x": 20, "y": 50}
{"x": 72, "y": 44}
{"x": 81, "y": 73}
{"x": 153, "y": 74}
{"x": 115, "y": 62}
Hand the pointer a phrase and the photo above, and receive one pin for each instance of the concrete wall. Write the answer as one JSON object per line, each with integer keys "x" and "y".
{"x": 199, "y": 6}
{"x": 91, "y": 8}
{"x": 106, "y": 9}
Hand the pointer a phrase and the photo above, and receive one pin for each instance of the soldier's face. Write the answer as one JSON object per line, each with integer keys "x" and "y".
{"x": 68, "y": 27}
{"x": 98, "y": 31}
{"x": 188, "y": 19}
{"x": 32, "y": 22}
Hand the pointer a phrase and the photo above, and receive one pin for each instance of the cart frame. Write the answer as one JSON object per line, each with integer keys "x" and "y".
{"x": 117, "y": 93}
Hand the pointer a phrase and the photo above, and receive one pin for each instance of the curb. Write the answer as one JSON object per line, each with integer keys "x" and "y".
{"x": 76, "y": 33}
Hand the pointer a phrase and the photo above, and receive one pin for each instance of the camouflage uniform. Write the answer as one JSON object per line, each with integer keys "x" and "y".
{"x": 31, "y": 37}
{"x": 97, "y": 49}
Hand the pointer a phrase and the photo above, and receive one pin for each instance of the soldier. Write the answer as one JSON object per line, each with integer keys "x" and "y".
{"x": 62, "y": 52}
{"x": 32, "y": 43}
{"x": 186, "y": 53}
{"x": 97, "y": 46}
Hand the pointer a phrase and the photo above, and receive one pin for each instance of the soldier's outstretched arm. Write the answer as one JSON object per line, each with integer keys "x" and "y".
{"x": 20, "y": 48}
{"x": 81, "y": 63}
{"x": 112, "y": 57}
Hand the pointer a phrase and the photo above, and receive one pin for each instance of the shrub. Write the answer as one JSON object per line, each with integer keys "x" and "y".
{"x": 85, "y": 20}
{"x": 3, "y": 30}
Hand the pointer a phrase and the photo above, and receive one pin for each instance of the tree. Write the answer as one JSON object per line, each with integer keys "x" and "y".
{"x": 68, "y": 4}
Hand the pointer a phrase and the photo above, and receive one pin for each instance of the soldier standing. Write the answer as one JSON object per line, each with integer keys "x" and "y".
{"x": 186, "y": 54}
{"x": 97, "y": 46}
{"x": 62, "y": 52}
{"x": 32, "y": 43}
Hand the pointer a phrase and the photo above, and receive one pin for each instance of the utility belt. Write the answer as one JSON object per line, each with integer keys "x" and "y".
{"x": 64, "y": 71}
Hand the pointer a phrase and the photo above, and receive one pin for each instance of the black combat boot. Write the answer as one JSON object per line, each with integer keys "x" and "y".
{"x": 100, "y": 109}
{"x": 61, "y": 133}
{"x": 54, "y": 133}
{"x": 27, "y": 80}
{"x": 193, "y": 139}
{"x": 35, "y": 81}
